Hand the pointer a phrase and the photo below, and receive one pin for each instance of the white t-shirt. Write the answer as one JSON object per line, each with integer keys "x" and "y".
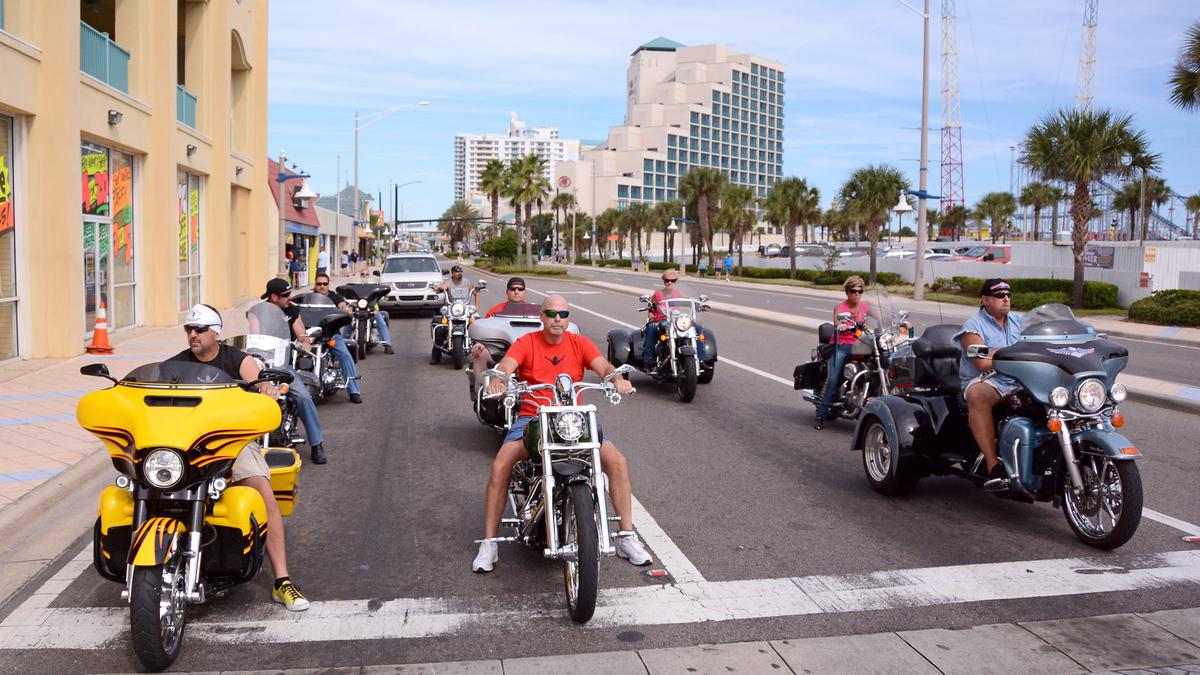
{"x": 323, "y": 259}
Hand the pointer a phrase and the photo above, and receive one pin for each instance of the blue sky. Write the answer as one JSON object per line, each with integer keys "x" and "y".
{"x": 853, "y": 79}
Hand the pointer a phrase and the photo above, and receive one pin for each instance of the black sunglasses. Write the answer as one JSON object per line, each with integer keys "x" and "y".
{"x": 196, "y": 329}
{"x": 855, "y": 291}
{"x": 516, "y": 288}
{"x": 668, "y": 281}
{"x": 557, "y": 313}
{"x": 1001, "y": 295}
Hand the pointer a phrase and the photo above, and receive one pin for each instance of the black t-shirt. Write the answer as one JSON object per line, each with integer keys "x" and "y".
{"x": 229, "y": 359}
{"x": 292, "y": 312}
{"x": 336, "y": 298}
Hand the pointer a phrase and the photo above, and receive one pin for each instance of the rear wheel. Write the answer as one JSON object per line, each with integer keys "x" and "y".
{"x": 880, "y": 463}
{"x": 685, "y": 379}
{"x": 457, "y": 351}
{"x": 581, "y": 576}
{"x": 1107, "y": 511}
{"x": 158, "y": 612}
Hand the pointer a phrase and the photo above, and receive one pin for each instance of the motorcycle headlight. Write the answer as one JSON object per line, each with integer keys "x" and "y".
{"x": 1119, "y": 392}
{"x": 683, "y": 323}
{"x": 1060, "y": 397}
{"x": 163, "y": 468}
{"x": 569, "y": 425}
{"x": 887, "y": 341}
{"x": 458, "y": 309}
{"x": 362, "y": 304}
{"x": 1091, "y": 395}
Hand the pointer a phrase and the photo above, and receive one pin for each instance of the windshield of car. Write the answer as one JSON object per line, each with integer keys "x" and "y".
{"x": 177, "y": 372}
{"x": 975, "y": 251}
{"x": 412, "y": 264}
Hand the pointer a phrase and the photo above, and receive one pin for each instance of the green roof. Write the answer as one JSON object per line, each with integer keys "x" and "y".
{"x": 660, "y": 44}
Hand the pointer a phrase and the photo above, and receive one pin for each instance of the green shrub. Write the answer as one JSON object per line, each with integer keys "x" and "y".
{"x": 968, "y": 285}
{"x": 518, "y": 270}
{"x": 944, "y": 284}
{"x": 1023, "y": 302}
{"x": 1096, "y": 294}
{"x": 1168, "y": 308}
{"x": 502, "y": 249}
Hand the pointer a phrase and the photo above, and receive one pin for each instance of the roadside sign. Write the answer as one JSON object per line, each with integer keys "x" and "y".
{"x": 564, "y": 181}
{"x": 1099, "y": 256}
{"x": 1151, "y": 253}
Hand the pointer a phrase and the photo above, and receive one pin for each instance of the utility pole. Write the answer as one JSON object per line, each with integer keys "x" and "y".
{"x": 922, "y": 215}
{"x": 337, "y": 211}
{"x": 282, "y": 232}
{"x": 357, "y": 206}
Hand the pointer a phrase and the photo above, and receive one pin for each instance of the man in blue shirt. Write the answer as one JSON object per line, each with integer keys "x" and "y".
{"x": 982, "y": 388}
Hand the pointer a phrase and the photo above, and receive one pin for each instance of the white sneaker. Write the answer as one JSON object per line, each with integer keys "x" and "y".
{"x": 630, "y": 548}
{"x": 488, "y": 555}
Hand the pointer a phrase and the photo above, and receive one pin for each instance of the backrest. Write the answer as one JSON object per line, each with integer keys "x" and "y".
{"x": 937, "y": 342}
{"x": 825, "y": 333}
{"x": 937, "y": 357}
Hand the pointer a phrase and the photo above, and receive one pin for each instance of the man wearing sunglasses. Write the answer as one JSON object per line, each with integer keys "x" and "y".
{"x": 279, "y": 293}
{"x": 996, "y": 326}
{"x": 653, "y": 326}
{"x": 538, "y": 358}
{"x": 340, "y": 351}
{"x": 203, "y": 331}
{"x": 514, "y": 296}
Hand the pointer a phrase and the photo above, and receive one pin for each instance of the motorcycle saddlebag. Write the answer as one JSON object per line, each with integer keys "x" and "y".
{"x": 807, "y": 375}
{"x": 284, "y": 464}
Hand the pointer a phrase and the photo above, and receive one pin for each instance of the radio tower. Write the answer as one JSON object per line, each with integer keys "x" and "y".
{"x": 1086, "y": 79}
{"x": 952, "y": 166}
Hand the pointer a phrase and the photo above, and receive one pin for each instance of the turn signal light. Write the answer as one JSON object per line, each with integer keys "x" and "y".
{"x": 331, "y": 343}
{"x": 1118, "y": 420}
{"x": 444, "y": 321}
{"x": 1054, "y": 425}
{"x": 283, "y": 388}
{"x": 662, "y": 338}
{"x": 1130, "y": 451}
{"x": 700, "y": 337}
{"x": 903, "y": 330}
{"x": 858, "y": 333}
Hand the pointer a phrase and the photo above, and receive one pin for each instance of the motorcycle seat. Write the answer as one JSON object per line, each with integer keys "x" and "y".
{"x": 937, "y": 358}
{"x": 825, "y": 333}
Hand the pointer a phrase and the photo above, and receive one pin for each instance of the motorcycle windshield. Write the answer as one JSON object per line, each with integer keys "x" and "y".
{"x": 886, "y": 315}
{"x": 314, "y": 307}
{"x": 178, "y": 373}
{"x": 369, "y": 292}
{"x": 267, "y": 338}
{"x": 674, "y": 306}
{"x": 1057, "y": 322}
{"x": 520, "y": 309}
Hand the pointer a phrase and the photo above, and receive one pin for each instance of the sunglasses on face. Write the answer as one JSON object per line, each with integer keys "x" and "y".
{"x": 516, "y": 289}
{"x": 556, "y": 313}
{"x": 1002, "y": 295}
{"x": 196, "y": 329}
{"x": 668, "y": 281}
{"x": 321, "y": 283}
{"x": 854, "y": 291}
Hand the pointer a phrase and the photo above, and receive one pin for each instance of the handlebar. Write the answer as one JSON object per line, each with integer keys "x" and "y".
{"x": 515, "y": 389}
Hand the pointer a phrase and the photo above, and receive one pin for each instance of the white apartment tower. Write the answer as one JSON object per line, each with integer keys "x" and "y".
{"x": 472, "y": 152}
{"x": 686, "y": 107}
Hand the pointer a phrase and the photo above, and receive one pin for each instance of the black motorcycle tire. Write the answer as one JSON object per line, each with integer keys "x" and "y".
{"x": 458, "y": 351}
{"x": 886, "y": 480}
{"x": 154, "y": 647}
{"x": 706, "y": 375}
{"x": 1131, "y": 508}
{"x": 436, "y": 355}
{"x": 686, "y": 378}
{"x": 364, "y": 336}
{"x": 580, "y": 509}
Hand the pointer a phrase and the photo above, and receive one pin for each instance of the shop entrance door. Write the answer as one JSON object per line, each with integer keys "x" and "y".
{"x": 97, "y": 269}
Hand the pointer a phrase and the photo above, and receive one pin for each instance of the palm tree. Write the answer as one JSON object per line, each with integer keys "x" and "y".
{"x": 457, "y": 221}
{"x": 702, "y": 186}
{"x": 792, "y": 202}
{"x": 869, "y": 194}
{"x": 1126, "y": 199}
{"x": 511, "y": 191}
{"x": 1193, "y": 206}
{"x": 491, "y": 182}
{"x": 1057, "y": 195}
{"x": 1155, "y": 193}
{"x": 1081, "y": 146}
{"x": 637, "y": 217}
{"x": 955, "y": 218}
{"x": 532, "y": 188}
{"x": 997, "y": 208}
{"x": 1036, "y": 195}
{"x": 660, "y": 218}
{"x": 563, "y": 202}
{"x": 607, "y": 224}
{"x": 736, "y": 216}
{"x": 1185, "y": 77}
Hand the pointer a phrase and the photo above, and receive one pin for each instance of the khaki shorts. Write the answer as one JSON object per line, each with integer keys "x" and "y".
{"x": 250, "y": 463}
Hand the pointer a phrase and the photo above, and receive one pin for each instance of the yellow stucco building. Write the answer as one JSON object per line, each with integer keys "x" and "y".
{"x": 133, "y": 165}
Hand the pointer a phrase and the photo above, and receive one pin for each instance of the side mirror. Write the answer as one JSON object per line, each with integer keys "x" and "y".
{"x": 445, "y": 271}
{"x": 703, "y": 298}
{"x": 979, "y": 351}
{"x": 643, "y": 298}
{"x": 989, "y": 257}
{"x": 275, "y": 375}
{"x": 97, "y": 370}
{"x": 312, "y": 332}
{"x": 375, "y": 272}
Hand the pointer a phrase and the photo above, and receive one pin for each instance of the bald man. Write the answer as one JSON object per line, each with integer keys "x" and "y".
{"x": 537, "y": 358}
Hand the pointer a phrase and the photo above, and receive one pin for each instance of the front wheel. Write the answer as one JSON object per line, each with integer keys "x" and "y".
{"x": 457, "y": 351}
{"x": 1107, "y": 511}
{"x": 581, "y": 575}
{"x": 878, "y": 461}
{"x": 158, "y": 612}
{"x": 685, "y": 379}
{"x": 364, "y": 337}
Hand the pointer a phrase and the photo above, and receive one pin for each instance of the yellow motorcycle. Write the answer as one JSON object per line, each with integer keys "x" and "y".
{"x": 172, "y": 528}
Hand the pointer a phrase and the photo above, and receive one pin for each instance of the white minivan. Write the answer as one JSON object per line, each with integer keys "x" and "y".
{"x": 413, "y": 279}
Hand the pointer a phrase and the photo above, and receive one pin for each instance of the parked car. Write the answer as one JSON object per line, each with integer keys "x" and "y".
{"x": 412, "y": 278}
{"x": 929, "y": 255}
{"x": 1000, "y": 253}
{"x": 899, "y": 253}
{"x": 772, "y": 251}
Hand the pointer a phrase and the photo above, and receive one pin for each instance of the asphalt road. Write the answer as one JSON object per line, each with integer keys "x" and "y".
{"x": 737, "y": 480}
{"x": 1159, "y": 360}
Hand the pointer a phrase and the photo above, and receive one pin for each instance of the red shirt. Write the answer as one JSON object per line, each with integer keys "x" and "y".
{"x": 857, "y": 314}
{"x": 539, "y": 362}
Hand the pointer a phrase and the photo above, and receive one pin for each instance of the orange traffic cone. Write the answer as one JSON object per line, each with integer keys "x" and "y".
{"x": 100, "y": 333}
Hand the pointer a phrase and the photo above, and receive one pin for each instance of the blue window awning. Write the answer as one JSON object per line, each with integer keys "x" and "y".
{"x": 292, "y": 227}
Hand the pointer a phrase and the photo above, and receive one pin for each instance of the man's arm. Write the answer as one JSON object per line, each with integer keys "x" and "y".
{"x": 508, "y": 366}
{"x": 968, "y": 339}
{"x": 250, "y": 370}
{"x": 298, "y": 327}
{"x": 603, "y": 368}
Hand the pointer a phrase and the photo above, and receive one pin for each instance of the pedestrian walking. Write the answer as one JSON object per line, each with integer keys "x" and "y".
{"x": 728, "y": 267}
{"x": 703, "y": 267}
{"x": 345, "y": 262}
{"x": 323, "y": 262}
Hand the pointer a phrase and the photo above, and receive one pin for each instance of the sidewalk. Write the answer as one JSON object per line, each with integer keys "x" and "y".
{"x": 1118, "y": 643}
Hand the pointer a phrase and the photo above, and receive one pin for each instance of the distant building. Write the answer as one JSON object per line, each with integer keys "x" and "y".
{"x": 686, "y": 107}
{"x": 472, "y": 152}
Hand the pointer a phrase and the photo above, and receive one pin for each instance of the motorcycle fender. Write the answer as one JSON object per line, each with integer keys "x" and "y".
{"x": 116, "y": 508}
{"x": 1110, "y": 443}
{"x": 240, "y": 507}
{"x": 154, "y": 541}
{"x": 686, "y": 350}
{"x": 621, "y": 345}
{"x": 901, "y": 417}
{"x": 708, "y": 346}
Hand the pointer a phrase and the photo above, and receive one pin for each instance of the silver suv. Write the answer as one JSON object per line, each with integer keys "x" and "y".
{"x": 409, "y": 276}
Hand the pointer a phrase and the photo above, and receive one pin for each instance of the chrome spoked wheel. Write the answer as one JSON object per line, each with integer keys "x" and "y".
{"x": 1107, "y": 510}
{"x": 877, "y": 453}
{"x": 158, "y": 612}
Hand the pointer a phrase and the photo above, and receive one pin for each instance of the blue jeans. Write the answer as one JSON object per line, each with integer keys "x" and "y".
{"x": 381, "y": 324}
{"x": 342, "y": 354}
{"x": 836, "y": 363}
{"x": 306, "y": 409}
{"x": 652, "y": 332}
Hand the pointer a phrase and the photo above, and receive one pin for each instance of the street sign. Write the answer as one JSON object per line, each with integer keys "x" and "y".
{"x": 1099, "y": 256}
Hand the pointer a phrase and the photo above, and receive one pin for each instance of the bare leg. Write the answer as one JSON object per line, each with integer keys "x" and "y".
{"x": 620, "y": 488}
{"x": 981, "y": 398}
{"x": 493, "y": 508}
{"x": 276, "y": 550}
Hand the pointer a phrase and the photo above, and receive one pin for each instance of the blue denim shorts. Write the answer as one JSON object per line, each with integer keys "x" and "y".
{"x": 517, "y": 430}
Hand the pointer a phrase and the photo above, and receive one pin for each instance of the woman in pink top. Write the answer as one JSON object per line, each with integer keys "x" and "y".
{"x": 843, "y": 338}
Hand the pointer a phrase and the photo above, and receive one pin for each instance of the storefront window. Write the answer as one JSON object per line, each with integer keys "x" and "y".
{"x": 107, "y": 205}
{"x": 124, "y": 302}
{"x": 8, "y": 246}
{"x": 188, "y": 199}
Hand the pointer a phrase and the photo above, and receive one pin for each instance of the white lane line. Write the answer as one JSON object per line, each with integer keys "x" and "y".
{"x": 408, "y": 618}
{"x": 818, "y": 309}
{"x": 573, "y": 292}
{"x": 1160, "y": 344}
{"x": 1181, "y": 525}
{"x": 668, "y": 553}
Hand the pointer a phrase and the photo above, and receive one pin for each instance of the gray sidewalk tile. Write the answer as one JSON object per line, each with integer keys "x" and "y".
{"x": 738, "y": 657}
{"x": 1182, "y": 622}
{"x": 1115, "y": 642}
{"x": 1192, "y": 669}
{"x": 604, "y": 663}
{"x": 877, "y": 653}
{"x": 999, "y": 649}
{"x": 455, "y": 668}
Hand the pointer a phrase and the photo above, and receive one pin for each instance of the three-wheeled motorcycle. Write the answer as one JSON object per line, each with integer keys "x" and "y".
{"x": 685, "y": 353}
{"x": 1059, "y": 432}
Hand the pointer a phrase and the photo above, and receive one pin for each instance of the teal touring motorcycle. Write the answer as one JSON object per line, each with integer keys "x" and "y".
{"x": 1058, "y": 433}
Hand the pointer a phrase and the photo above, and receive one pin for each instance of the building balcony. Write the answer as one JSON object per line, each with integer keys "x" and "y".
{"x": 185, "y": 106}
{"x": 103, "y": 59}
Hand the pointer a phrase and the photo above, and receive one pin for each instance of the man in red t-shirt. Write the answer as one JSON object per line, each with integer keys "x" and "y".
{"x": 537, "y": 358}
{"x": 514, "y": 294}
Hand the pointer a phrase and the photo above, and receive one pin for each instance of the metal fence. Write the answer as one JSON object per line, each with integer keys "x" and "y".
{"x": 185, "y": 106}
{"x": 102, "y": 58}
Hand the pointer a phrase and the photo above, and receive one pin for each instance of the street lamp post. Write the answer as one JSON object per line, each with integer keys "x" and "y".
{"x": 922, "y": 227}
{"x": 902, "y": 207}
{"x": 362, "y": 122}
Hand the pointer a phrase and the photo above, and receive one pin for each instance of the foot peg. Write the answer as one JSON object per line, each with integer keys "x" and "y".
{"x": 496, "y": 540}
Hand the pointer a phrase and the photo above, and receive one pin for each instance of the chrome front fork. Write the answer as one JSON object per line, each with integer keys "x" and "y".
{"x": 1068, "y": 451}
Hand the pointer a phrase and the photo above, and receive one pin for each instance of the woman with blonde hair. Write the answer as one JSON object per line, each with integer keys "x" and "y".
{"x": 843, "y": 339}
